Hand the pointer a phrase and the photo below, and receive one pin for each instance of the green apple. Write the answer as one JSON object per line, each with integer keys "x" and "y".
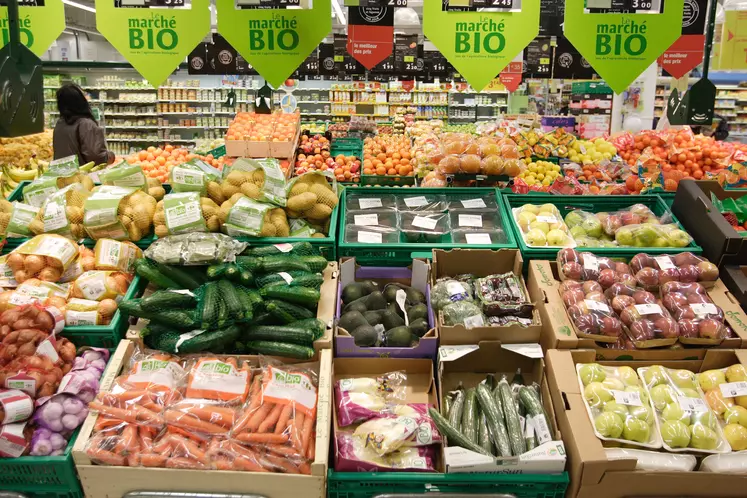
{"x": 556, "y": 238}
{"x": 645, "y": 235}
{"x": 591, "y": 372}
{"x": 673, "y": 411}
{"x": 690, "y": 393}
{"x": 615, "y": 407}
{"x": 624, "y": 237}
{"x": 711, "y": 379}
{"x": 614, "y": 383}
{"x": 679, "y": 238}
{"x": 577, "y": 231}
{"x": 539, "y": 225}
{"x": 703, "y": 438}
{"x": 592, "y": 226}
{"x": 636, "y": 430}
{"x": 683, "y": 378}
{"x": 736, "y": 415}
{"x": 642, "y": 413}
{"x": 596, "y": 394}
{"x": 641, "y": 392}
{"x": 609, "y": 424}
{"x": 705, "y": 418}
{"x": 550, "y": 209}
{"x": 573, "y": 219}
{"x": 736, "y": 435}
{"x": 675, "y": 433}
{"x": 524, "y": 219}
{"x": 628, "y": 376}
{"x": 736, "y": 373}
{"x": 530, "y": 208}
{"x": 660, "y": 242}
{"x": 536, "y": 237}
{"x": 662, "y": 395}
{"x": 655, "y": 375}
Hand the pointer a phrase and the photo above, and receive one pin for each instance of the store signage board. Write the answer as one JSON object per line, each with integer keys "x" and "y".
{"x": 154, "y": 39}
{"x": 375, "y": 3}
{"x": 480, "y": 44}
{"x": 40, "y": 23}
{"x": 275, "y": 42}
{"x": 686, "y": 53}
{"x": 620, "y": 46}
{"x": 511, "y": 76}
{"x": 695, "y": 107}
{"x": 733, "y": 49}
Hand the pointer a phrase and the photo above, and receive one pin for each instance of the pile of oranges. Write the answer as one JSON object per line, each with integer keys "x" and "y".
{"x": 276, "y": 127}
{"x": 157, "y": 162}
{"x": 387, "y": 155}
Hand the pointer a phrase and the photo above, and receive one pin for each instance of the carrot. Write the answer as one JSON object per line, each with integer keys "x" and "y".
{"x": 184, "y": 463}
{"x": 104, "y": 423}
{"x": 248, "y": 464}
{"x": 271, "y": 419}
{"x": 296, "y": 431}
{"x": 164, "y": 444}
{"x": 304, "y": 468}
{"x": 257, "y": 437}
{"x": 177, "y": 417}
{"x": 133, "y": 460}
{"x": 192, "y": 450}
{"x": 106, "y": 457}
{"x": 152, "y": 460}
{"x": 246, "y": 457}
{"x": 122, "y": 398}
{"x": 127, "y": 442}
{"x": 278, "y": 463}
{"x": 189, "y": 435}
{"x": 308, "y": 428}
{"x": 223, "y": 463}
{"x": 311, "y": 453}
{"x": 282, "y": 450}
{"x": 134, "y": 415}
{"x": 259, "y": 415}
{"x": 284, "y": 418}
{"x": 214, "y": 414}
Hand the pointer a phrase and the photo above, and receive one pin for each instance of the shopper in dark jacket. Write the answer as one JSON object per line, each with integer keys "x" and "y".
{"x": 76, "y": 132}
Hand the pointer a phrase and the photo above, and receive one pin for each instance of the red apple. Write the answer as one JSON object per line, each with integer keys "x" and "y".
{"x": 619, "y": 303}
{"x": 711, "y": 329}
{"x": 568, "y": 255}
{"x": 642, "y": 330}
{"x": 567, "y": 285}
{"x": 610, "y": 326}
{"x": 591, "y": 286}
{"x": 571, "y": 297}
{"x": 607, "y": 278}
{"x": 648, "y": 277}
{"x": 666, "y": 328}
{"x": 572, "y": 270}
{"x": 644, "y": 297}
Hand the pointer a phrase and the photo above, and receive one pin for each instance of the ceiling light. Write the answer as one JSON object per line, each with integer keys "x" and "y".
{"x": 338, "y": 11}
{"x": 79, "y": 5}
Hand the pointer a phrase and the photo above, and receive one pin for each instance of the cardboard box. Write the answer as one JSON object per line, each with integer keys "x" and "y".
{"x": 735, "y": 279}
{"x": 419, "y": 388}
{"x": 693, "y": 207}
{"x": 469, "y": 365}
{"x": 558, "y": 331}
{"x": 103, "y": 481}
{"x": 481, "y": 262}
{"x": 416, "y": 277}
{"x": 592, "y": 474}
{"x": 245, "y": 148}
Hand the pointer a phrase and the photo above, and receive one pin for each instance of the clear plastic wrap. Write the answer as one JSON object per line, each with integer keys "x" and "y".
{"x": 618, "y": 405}
{"x": 647, "y": 322}
{"x": 465, "y": 313}
{"x": 583, "y": 225}
{"x": 362, "y": 398}
{"x": 590, "y": 311}
{"x": 700, "y": 320}
{"x": 354, "y": 455}
{"x": 365, "y": 202}
{"x": 424, "y": 227}
{"x": 582, "y": 266}
{"x": 371, "y": 234}
{"x": 448, "y": 290}
{"x": 651, "y": 235}
{"x": 726, "y": 394}
{"x": 503, "y": 294}
{"x": 653, "y": 271}
{"x": 683, "y": 417}
{"x": 372, "y": 218}
{"x": 195, "y": 249}
{"x": 732, "y": 463}
{"x": 654, "y": 461}
{"x": 542, "y": 226}
{"x": 224, "y": 379}
{"x": 15, "y": 406}
{"x": 425, "y": 202}
{"x": 15, "y": 439}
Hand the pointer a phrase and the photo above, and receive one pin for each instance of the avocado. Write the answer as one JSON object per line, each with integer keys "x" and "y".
{"x": 375, "y": 301}
{"x": 357, "y": 305}
{"x": 414, "y": 296}
{"x": 395, "y": 307}
{"x": 419, "y": 327}
{"x": 351, "y": 320}
{"x": 369, "y": 286}
{"x": 373, "y": 317}
{"x": 398, "y": 337}
{"x": 416, "y": 311}
{"x": 351, "y": 292}
{"x": 365, "y": 336}
{"x": 390, "y": 292}
{"x": 390, "y": 320}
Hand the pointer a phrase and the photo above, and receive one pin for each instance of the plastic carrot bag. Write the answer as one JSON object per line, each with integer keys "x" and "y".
{"x": 227, "y": 454}
{"x": 207, "y": 417}
{"x": 219, "y": 379}
{"x": 362, "y": 398}
{"x": 123, "y": 444}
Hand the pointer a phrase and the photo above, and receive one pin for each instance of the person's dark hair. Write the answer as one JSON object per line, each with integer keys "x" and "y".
{"x": 72, "y": 103}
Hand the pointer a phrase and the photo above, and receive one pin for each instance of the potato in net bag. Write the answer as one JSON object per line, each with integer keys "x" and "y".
{"x": 124, "y": 174}
{"x": 62, "y": 213}
{"x": 260, "y": 179}
{"x": 114, "y": 255}
{"x": 186, "y": 212}
{"x": 243, "y": 216}
{"x": 118, "y": 213}
{"x": 65, "y": 171}
{"x": 37, "y": 192}
{"x": 312, "y": 196}
{"x": 15, "y": 221}
{"x": 193, "y": 176}
{"x": 98, "y": 285}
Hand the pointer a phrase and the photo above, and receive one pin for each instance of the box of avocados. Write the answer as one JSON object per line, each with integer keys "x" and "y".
{"x": 384, "y": 312}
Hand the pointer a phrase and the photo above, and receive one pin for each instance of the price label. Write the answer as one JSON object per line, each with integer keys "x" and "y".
{"x": 664, "y": 262}
{"x": 286, "y": 276}
{"x": 692, "y": 404}
{"x": 415, "y": 201}
{"x": 424, "y": 222}
{"x": 648, "y": 309}
{"x": 470, "y": 220}
{"x": 627, "y": 398}
{"x": 369, "y": 237}
{"x": 397, "y": 3}
{"x": 591, "y": 262}
{"x": 400, "y": 298}
{"x": 702, "y": 309}
{"x": 541, "y": 430}
{"x": 733, "y": 389}
{"x": 596, "y": 306}
{"x": 474, "y": 321}
{"x": 547, "y": 218}
{"x": 368, "y": 203}
{"x": 473, "y": 203}
{"x": 478, "y": 238}
{"x": 366, "y": 219}
{"x": 284, "y": 247}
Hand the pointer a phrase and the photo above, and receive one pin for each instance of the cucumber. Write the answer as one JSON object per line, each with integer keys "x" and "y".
{"x": 298, "y": 279}
{"x": 211, "y": 340}
{"x": 469, "y": 415}
{"x": 316, "y": 263}
{"x": 489, "y": 403}
{"x": 273, "y": 348}
{"x": 287, "y": 312}
{"x": 297, "y": 295}
{"x": 291, "y": 335}
{"x": 246, "y": 278}
{"x": 455, "y": 414}
{"x": 148, "y": 271}
{"x": 448, "y": 400}
{"x": 536, "y": 411}
{"x": 181, "y": 277}
{"x": 296, "y": 249}
{"x": 179, "y": 319}
{"x": 453, "y": 436}
{"x": 511, "y": 414}
{"x": 315, "y": 325}
{"x": 276, "y": 264}
{"x": 210, "y": 306}
{"x": 249, "y": 263}
{"x": 216, "y": 272}
{"x": 229, "y": 295}
{"x": 483, "y": 437}
{"x": 168, "y": 300}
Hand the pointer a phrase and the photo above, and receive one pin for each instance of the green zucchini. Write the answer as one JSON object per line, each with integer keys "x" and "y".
{"x": 453, "y": 436}
{"x": 263, "y": 318}
{"x": 179, "y": 319}
{"x": 536, "y": 412}
{"x": 210, "y": 305}
{"x": 247, "y": 306}
{"x": 216, "y": 272}
{"x": 148, "y": 271}
{"x": 276, "y": 264}
{"x": 280, "y": 333}
{"x": 229, "y": 295}
{"x": 296, "y": 249}
{"x": 246, "y": 278}
{"x": 168, "y": 300}
{"x": 181, "y": 277}
{"x": 316, "y": 264}
{"x": 511, "y": 414}
{"x": 315, "y": 325}
{"x": 287, "y": 312}
{"x": 469, "y": 416}
{"x": 297, "y": 295}
{"x": 297, "y": 279}
{"x": 455, "y": 414}
{"x": 211, "y": 340}
{"x": 273, "y": 348}
{"x": 491, "y": 407}
{"x": 249, "y": 263}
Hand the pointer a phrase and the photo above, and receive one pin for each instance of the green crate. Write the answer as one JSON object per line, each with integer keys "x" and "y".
{"x": 371, "y": 484}
{"x": 42, "y": 477}
{"x": 347, "y": 146}
{"x": 401, "y": 254}
{"x": 17, "y": 194}
{"x": 106, "y": 336}
{"x": 668, "y": 198}
{"x": 595, "y": 204}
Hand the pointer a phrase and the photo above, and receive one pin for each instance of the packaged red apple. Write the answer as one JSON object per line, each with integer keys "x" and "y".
{"x": 619, "y": 408}
{"x": 726, "y": 394}
{"x": 647, "y": 321}
{"x": 590, "y": 311}
{"x": 582, "y": 266}
{"x": 684, "y": 419}
{"x": 652, "y": 271}
{"x": 542, "y": 226}
{"x": 700, "y": 320}
{"x": 636, "y": 214}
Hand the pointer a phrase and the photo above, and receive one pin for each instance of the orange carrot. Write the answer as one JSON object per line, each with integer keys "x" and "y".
{"x": 152, "y": 460}
{"x": 162, "y": 445}
{"x": 259, "y": 415}
{"x": 296, "y": 431}
{"x": 271, "y": 419}
{"x": 133, "y": 460}
{"x": 189, "y": 435}
{"x": 184, "y": 463}
{"x": 282, "y": 450}
{"x": 106, "y": 457}
{"x": 104, "y": 423}
{"x": 191, "y": 422}
{"x": 311, "y": 453}
{"x": 304, "y": 468}
{"x": 190, "y": 448}
{"x": 214, "y": 414}
{"x": 284, "y": 418}
{"x": 278, "y": 463}
{"x": 223, "y": 463}
{"x": 127, "y": 440}
{"x": 134, "y": 415}
{"x": 258, "y": 437}
{"x": 308, "y": 428}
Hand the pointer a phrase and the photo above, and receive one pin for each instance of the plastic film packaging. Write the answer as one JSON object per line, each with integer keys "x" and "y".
{"x": 115, "y": 255}
{"x": 590, "y": 311}
{"x": 583, "y": 266}
{"x": 700, "y": 321}
{"x": 726, "y": 394}
{"x": 195, "y": 249}
{"x": 44, "y": 257}
{"x": 359, "y": 399}
{"x": 542, "y": 226}
{"x": 654, "y": 461}
{"x": 653, "y": 271}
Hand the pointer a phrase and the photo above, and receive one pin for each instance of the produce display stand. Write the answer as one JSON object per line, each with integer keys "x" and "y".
{"x": 102, "y": 481}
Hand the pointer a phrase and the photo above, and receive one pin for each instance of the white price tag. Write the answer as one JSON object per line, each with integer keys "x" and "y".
{"x": 702, "y": 309}
{"x": 692, "y": 404}
{"x": 424, "y": 222}
{"x": 473, "y": 203}
{"x": 596, "y": 306}
{"x": 648, "y": 309}
{"x": 470, "y": 220}
{"x": 733, "y": 389}
{"x": 591, "y": 262}
{"x": 366, "y": 219}
{"x": 664, "y": 262}
{"x": 286, "y": 276}
{"x": 547, "y": 218}
{"x": 541, "y": 430}
{"x": 627, "y": 398}
{"x": 474, "y": 321}
{"x": 478, "y": 238}
{"x": 368, "y": 203}
{"x": 415, "y": 201}
{"x": 401, "y": 297}
{"x": 284, "y": 247}
{"x": 369, "y": 237}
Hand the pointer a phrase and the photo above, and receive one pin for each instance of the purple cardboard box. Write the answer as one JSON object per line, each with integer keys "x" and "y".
{"x": 417, "y": 277}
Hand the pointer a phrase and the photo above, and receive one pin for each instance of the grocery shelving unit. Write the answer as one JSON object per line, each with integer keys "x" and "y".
{"x": 469, "y": 106}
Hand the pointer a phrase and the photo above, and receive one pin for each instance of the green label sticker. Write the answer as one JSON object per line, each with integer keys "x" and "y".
{"x": 480, "y": 44}
{"x": 621, "y": 46}
{"x": 183, "y": 213}
{"x": 38, "y": 26}
{"x": 274, "y": 41}
{"x": 154, "y": 41}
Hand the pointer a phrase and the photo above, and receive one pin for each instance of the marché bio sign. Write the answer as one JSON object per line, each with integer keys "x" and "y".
{"x": 38, "y": 26}
{"x": 274, "y": 41}
{"x": 480, "y": 44}
{"x": 621, "y": 46}
{"x": 154, "y": 41}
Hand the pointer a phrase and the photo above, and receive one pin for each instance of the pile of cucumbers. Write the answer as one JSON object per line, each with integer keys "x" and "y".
{"x": 264, "y": 303}
{"x": 395, "y": 316}
{"x": 499, "y": 419}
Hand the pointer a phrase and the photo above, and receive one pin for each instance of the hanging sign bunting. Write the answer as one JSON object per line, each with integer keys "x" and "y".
{"x": 370, "y": 34}
{"x": 511, "y": 75}
{"x": 40, "y": 23}
{"x": 155, "y": 39}
{"x": 620, "y": 46}
{"x": 695, "y": 107}
{"x": 686, "y": 53}
{"x": 274, "y": 42}
{"x": 480, "y": 44}
{"x": 733, "y": 49}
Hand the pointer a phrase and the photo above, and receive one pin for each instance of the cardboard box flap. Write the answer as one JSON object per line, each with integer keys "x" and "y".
{"x": 327, "y": 303}
{"x": 463, "y": 261}
{"x": 562, "y": 369}
{"x": 481, "y": 358}
{"x": 419, "y": 372}
{"x": 417, "y": 275}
